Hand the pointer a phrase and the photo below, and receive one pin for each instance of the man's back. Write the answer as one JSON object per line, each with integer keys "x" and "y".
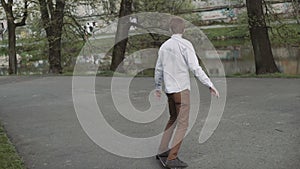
{"x": 174, "y": 63}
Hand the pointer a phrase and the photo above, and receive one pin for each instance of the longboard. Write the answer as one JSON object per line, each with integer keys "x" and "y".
{"x": 163, "y": 163}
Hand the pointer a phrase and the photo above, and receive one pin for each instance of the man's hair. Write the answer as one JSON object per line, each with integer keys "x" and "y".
{"x": 177, "y": 25}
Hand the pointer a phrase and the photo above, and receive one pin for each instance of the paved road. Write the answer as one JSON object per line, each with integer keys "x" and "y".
{"x": 259, "y": 128}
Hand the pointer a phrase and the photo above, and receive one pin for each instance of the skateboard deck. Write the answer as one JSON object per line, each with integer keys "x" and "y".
{"x": 163, "y": 163}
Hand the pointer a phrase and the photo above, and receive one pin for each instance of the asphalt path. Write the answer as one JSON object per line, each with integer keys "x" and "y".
{"x": 259, "y": 128}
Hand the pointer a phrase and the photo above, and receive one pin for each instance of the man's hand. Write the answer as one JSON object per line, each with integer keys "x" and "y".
{"x": 158, "y": 93}
{"x": 214, "y": 92}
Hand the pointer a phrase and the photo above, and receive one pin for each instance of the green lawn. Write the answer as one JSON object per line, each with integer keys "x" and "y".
{"x": 9, "y": 159}
{"x": 279, "y": 35}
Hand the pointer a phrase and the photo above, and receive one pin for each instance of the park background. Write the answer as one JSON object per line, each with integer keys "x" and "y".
{"x": 262, "y": 136}
{"x": 225, "y": 23}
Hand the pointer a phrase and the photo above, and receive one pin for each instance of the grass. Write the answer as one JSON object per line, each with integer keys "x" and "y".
{"x": 279, "y": 35}
{"x": 227, "y": 33}
{"x": 9, "y": 159}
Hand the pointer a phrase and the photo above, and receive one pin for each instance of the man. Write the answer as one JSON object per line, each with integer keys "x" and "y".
{"x": 175, "y": 58}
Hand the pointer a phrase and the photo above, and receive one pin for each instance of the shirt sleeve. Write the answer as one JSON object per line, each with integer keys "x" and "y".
{"x": 158, "y": 77}
{"x": 193, "y": 64}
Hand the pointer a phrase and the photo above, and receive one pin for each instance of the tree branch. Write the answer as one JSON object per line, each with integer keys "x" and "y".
{"x": 25, "y": 15}
{"x": 142, "y": 27}
{"x": 77, "y": 26}
{"x": 5, "y": 5}
{"x": 59, "y": 13}
{"x": 50, "y": 7}
{"x": 45, "y": 15}
{"x": 8, "y": 9}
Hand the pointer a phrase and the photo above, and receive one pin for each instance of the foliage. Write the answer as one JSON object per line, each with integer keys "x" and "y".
{"x": 14, "y": 20}
{"x": 192, "y": 17}
{"x": 34, "y": 46}
{"x": 139, "y": 42}
{"x": 281, "y": 31}
{"x": 296, "y": 8}
{"x": 239, "y": 32}
{"x": 154, "y": 40}
{"x": 171, "y": 6}
{"x": 9, "y": 159}
{"x": 285, "y": 34}
{"x": 242, "y": 19}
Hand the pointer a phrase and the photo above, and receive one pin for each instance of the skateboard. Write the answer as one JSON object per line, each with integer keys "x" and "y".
{"x": 163, "y": 163}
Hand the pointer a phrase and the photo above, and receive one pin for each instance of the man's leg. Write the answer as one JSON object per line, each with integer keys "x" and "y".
{"x": 182, "y": 102}
{"x": 164, "y": 146}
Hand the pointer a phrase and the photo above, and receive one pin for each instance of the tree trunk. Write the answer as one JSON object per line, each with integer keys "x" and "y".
{"x": 264, "y": 60}
{"x": 11, "y": 26}
{"x": 12, "y": 47}
{"x": 52, "y": 17}
{"x": 54, "y": 53}
{"x": 121, "y": 36}
{"x": 55, "y": 38}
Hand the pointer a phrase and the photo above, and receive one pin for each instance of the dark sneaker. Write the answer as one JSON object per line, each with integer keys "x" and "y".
{"x": 176, "y": 163}
{"x": 164, "y": 154}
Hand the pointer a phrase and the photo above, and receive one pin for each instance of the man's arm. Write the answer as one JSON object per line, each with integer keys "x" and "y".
{"x": 194, "y": 66}
{"x": 197, "y": 70}
{"x": 158, "y": 77}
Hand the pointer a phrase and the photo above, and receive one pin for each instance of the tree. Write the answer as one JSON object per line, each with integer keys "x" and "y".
{"x": 264, "y": 60}
{"x": 59, "y": 17}
{"x": 11, "y": 27}
{"x": 122, "y": 34}
{"x": 296, "y": 8}
{"x": 128, "y": 7}
{"x": 52, "y": 15}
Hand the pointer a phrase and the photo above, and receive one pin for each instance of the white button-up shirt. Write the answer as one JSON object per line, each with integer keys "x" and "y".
{"x": 175, "y": 58}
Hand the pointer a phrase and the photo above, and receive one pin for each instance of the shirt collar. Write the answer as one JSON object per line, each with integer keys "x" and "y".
{"x": 177, "y": 36}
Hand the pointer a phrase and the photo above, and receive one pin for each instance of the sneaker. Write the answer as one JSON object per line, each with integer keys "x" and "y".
{"x": 164, "y": 154}
{"x": 176, "y": 163}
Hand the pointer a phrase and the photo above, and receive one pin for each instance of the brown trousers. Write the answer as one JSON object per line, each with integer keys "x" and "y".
{"x": 179, "y": 108}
